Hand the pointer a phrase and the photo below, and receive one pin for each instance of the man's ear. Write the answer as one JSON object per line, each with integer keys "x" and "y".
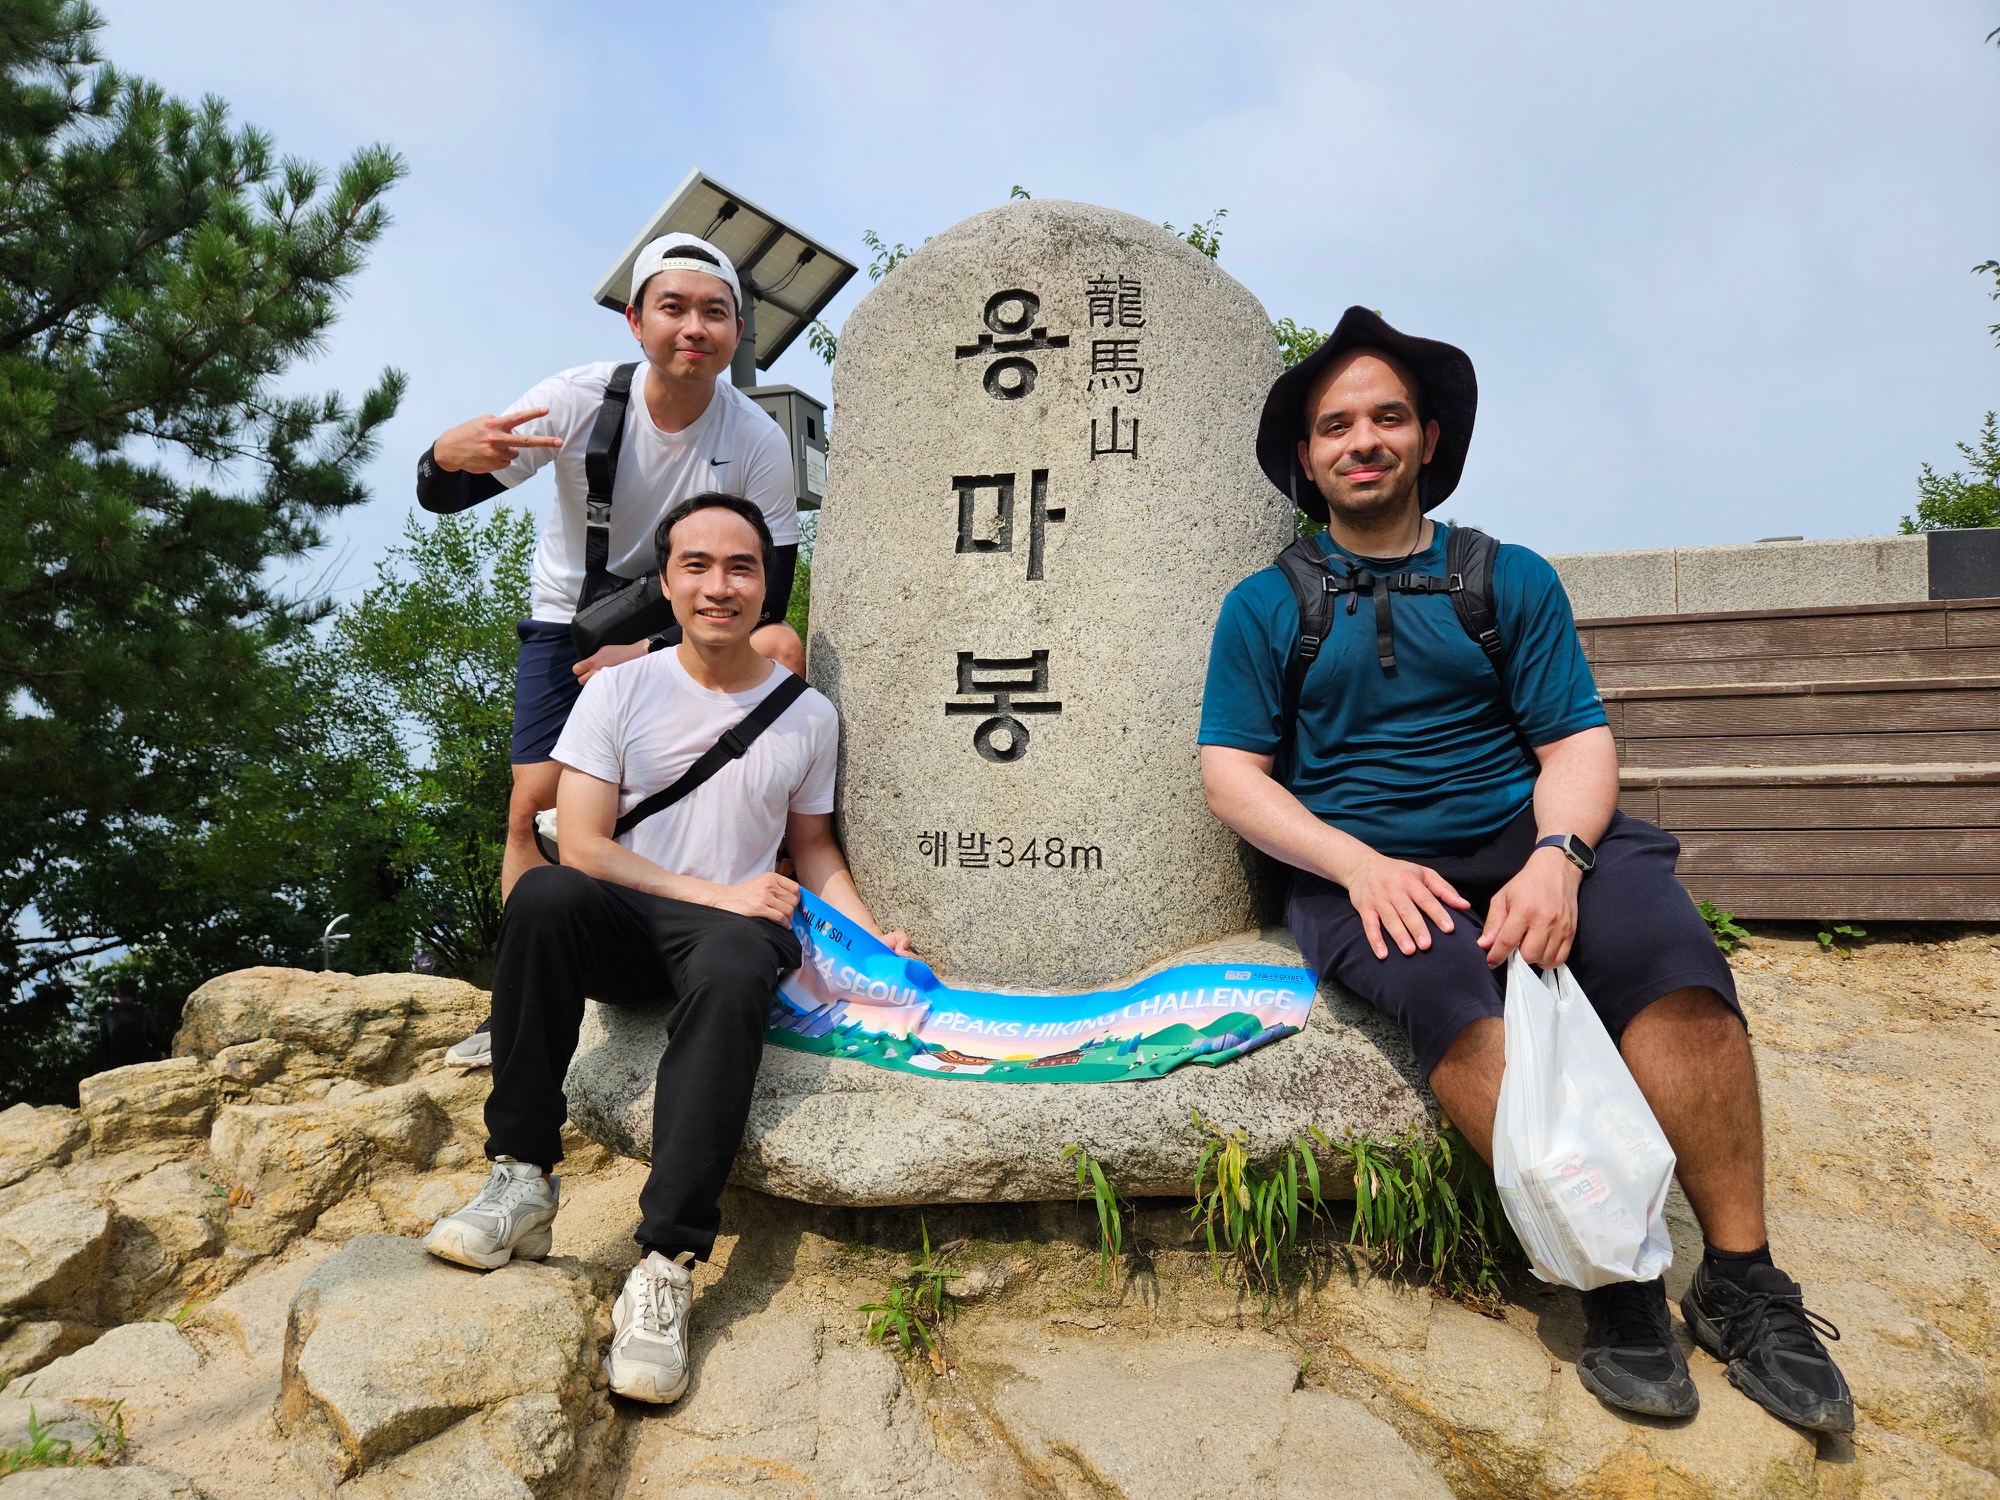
{"x": 1431, "y": 431}
{"x": 1306, "y": 463}
{"x": 632, "y": 318}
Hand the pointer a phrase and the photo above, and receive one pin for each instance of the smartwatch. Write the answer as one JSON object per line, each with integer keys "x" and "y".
{"x": 1574, "y": 849}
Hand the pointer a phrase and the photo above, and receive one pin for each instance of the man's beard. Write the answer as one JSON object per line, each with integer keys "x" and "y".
{"x": 1368, "y": 511}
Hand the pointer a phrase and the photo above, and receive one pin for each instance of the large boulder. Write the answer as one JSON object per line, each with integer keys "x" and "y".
{"x": 166, "y": 1223}
{"x": 32, "y": 1138}
{"x": 52, "y": 1252}
{"x": 371, "y": 1026}
{"x": 836, "y": 1132}
{"x": 1046, "y": 486}
{"x": 391, "y": 1352}
{"x": 169, "y": 1100}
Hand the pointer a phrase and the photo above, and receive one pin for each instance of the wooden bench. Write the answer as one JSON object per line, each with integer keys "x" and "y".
{"x": 1816, "y": 763}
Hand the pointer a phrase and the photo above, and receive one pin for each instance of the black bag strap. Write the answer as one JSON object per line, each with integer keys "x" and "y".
{"x": 600, "y": 468}
{"x": 1467, "y": 578}
{"x": 732, "y": 745}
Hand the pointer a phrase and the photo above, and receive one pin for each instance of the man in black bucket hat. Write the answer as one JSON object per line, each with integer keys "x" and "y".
{"x": 1422, "y": 742}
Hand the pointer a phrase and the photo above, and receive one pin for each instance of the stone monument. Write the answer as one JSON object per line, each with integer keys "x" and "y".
{"x": 1043, "y": 483}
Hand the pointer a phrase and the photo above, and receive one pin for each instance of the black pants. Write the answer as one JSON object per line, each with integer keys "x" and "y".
{"x": 713, "y": 974}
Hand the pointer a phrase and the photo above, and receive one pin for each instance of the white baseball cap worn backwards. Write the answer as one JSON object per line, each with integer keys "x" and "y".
{"x": 663, "y": 254}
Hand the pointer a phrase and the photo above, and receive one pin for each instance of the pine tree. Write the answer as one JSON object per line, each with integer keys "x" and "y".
{"x": 161, "y": 272}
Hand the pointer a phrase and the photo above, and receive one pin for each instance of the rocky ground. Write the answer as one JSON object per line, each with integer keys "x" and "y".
{"x": 214, "y": 1255}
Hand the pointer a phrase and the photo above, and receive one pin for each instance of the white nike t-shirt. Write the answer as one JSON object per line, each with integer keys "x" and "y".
{"x": 643, "y": 722}
{"x": 733, "y": 447}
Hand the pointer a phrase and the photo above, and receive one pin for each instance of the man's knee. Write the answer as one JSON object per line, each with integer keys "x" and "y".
{"x": 781, "y": 644}
{"x": 736, "y": 975}
{"x": 550, "y": 893}
{"x": 534, "y": 791}
{"x": 1695, "y": 1013}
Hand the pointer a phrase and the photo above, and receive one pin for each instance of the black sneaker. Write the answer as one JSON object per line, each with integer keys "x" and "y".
{"x": 1761, "y": 1328}
{"x": 1629, "y": 1357}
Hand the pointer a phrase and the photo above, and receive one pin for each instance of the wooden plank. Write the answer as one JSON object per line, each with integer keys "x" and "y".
{"x": 1944, "y": 662}
{"x": 1815, "y": 713}
{"x": 1812, "y": 749}
{"x": 1932, "y": 772}
{"x": 1807, "y": 688}
{"x": 1684, "y": 638}
{"x": 1870, "y": 851}
{"x": 1902, "y": 807}
{"x": 1973, "y": 623}
{"x": 1640, "y": 802}
{"x": 1880, "y": 898}
{"x": 1791, "y": 612}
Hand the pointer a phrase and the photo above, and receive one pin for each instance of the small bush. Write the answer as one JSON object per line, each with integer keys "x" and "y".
{"x": 914, "y": 1308}
{"x": 1428, "y": 1207}
{"x": 1722, "y": 927}
{"x": 1252, "y": 1215}
{"x": 1833, "y": 937}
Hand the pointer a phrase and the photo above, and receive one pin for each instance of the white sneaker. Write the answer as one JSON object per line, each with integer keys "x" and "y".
{"x": 510, "y": 1216}
{"x": 476, "y": 1051}
{"x": 649, "y": 1329}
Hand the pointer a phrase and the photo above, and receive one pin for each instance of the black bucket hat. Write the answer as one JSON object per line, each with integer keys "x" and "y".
{"x": 1450, "y": 396}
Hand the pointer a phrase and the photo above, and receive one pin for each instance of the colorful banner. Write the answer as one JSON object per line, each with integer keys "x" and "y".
{"x": 854, "y": 998}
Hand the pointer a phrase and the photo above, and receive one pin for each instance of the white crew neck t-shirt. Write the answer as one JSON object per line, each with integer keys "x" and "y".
{"x": 734, "y": 447}
{"x": 642, "y": 723}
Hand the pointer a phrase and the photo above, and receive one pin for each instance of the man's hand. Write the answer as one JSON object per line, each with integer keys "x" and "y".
{"x": 486, "y": 444}
{"x": 1534, "y": 912}
{"x": 771, "y": 897}
{"x": 608, "y": 656}
{"x": 1394, "y": 896}
{"x": 899, "y": 944}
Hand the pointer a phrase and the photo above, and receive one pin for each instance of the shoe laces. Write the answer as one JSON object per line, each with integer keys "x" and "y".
{"x": 659, "y": 1309}
{"x": 1634, "y": 1315}
{"x": 503, "y": 1191}
{"x": 1781, "y": 1318}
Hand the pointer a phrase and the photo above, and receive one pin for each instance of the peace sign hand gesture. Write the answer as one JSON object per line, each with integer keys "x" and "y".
{"x": 488, "y": 443}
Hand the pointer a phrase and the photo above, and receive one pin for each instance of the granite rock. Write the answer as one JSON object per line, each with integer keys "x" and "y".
{"x": 52, "y": 1252}
{"x": 388, "y": 1348}
{"x": 130, "y": 1363}
{"x": 988, "y": 539}
{"x": 371, "y": 1026}
{"x": 127, "y": 1482}
{"x": 836, "y": 1132}
{"x": 32, "y": 1138}
{"x": 169, "y": 1100}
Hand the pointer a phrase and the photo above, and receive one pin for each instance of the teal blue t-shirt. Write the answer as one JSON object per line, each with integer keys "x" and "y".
{"x": 1421, "y": 760}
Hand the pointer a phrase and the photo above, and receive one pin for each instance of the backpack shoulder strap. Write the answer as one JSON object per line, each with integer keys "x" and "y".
{"x": 1468, "y": 559}
{"x": 1304, "y": 567}
{"x": 600, "y": 468}
{"x": 732, "y": 745}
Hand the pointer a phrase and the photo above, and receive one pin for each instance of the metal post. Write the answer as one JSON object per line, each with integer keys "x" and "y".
{"x": 743, "y": 368}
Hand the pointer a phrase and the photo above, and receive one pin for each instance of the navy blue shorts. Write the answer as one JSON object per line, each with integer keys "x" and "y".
{"x": 1638, "y": 937}
{"x": 545, "y": 689}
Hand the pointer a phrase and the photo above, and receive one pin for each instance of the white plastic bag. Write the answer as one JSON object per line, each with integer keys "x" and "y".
{"x": 1581, "y": 1164}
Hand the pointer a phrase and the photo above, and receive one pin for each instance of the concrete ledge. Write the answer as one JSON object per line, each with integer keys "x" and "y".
{"x": 1759, "y": 575}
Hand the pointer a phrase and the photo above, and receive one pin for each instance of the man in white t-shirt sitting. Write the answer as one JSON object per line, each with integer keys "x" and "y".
{"x": 683, "y": 911}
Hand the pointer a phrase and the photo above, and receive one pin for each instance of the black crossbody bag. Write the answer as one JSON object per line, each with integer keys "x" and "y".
{"x": 731, "y": 746}
{"x": 612, "y": 611}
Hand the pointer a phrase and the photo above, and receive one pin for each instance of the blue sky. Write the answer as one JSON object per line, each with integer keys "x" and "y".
{"x": 1711, "y": 260}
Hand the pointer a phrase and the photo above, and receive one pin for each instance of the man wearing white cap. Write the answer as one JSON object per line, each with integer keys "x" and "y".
{"x": 686, "y": 432}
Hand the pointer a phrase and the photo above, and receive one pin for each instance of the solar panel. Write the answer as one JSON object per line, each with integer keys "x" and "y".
{"x": 789, "y": 276}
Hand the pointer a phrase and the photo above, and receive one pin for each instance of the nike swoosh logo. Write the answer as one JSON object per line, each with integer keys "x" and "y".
{"x": 715, "y": 462}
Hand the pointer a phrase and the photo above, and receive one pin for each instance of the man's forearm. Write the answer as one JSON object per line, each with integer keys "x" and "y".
{"x": 823, "y": 870}
{"x": 1266, "y": 814}
{"x": 1577, "y": 789}
{"x": 607, "y": 859}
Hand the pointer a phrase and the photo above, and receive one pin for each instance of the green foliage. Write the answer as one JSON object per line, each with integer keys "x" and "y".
{"x": 161, "y": 273}
{"x": 1991, "y": 268}
{"x": 44, "y": 1451}
{"x": 1252, "y": 1214}
{"x": 1295, "y": 340}
{"x": 1427, "y": 1206}
{"x": 1111, "y": 1209}
{"x": 913, "y": 1308}
{"x": 1019, "y": 192}
{"x": 822, "y": 340}
{"x": 1205, "y": 236}
{"x": 1833, "y": 937}
{"x": 1722, "y": 926}
{"x": 1964, "y": 498}
{"x": 883, "y": 257}
{"x": 798, "y": 609}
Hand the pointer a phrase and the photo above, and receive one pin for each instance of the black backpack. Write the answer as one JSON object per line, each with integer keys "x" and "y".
{"x": 1467, "y": 577}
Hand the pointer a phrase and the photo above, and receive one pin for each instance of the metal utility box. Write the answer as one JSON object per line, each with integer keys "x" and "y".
{"x": 803, "y": 419}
